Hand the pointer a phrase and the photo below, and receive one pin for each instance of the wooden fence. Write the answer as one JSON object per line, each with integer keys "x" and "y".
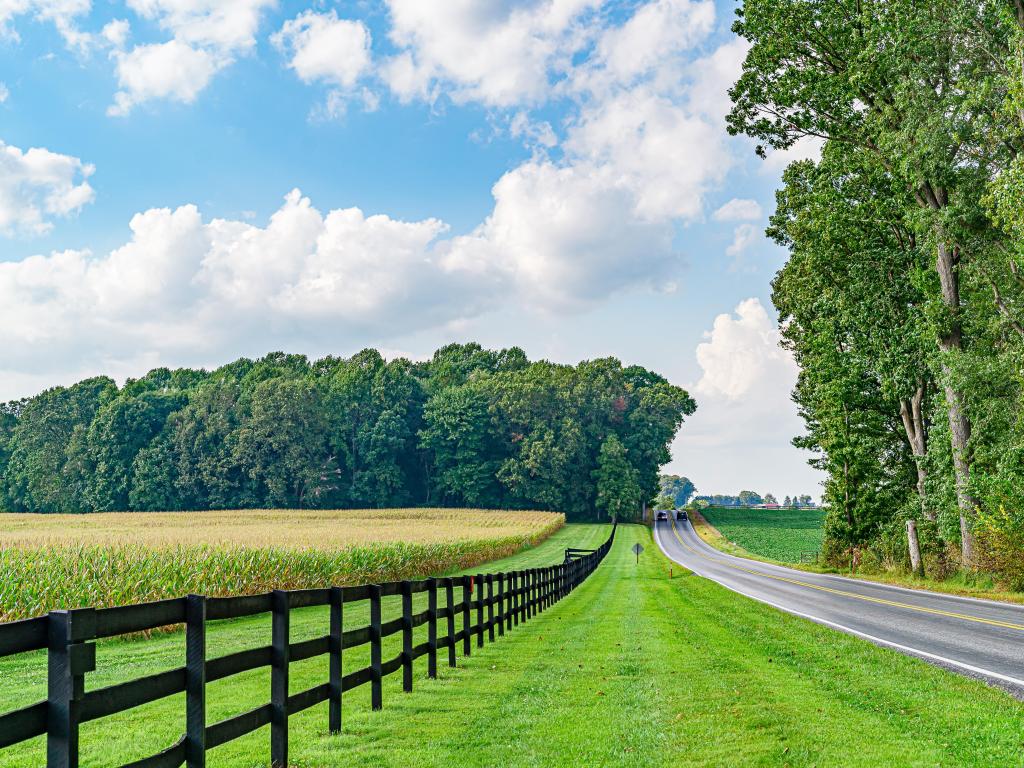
{"x": 489, "y": 603}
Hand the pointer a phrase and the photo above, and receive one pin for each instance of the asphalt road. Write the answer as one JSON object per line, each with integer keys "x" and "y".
{"x": 979, "y": 638}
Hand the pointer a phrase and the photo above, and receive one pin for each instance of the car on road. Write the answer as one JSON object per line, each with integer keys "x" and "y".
{"x": 662, "y": 515}
{"x": 680, "y": 514}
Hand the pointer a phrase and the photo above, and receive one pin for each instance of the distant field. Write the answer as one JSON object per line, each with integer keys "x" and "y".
{"x": 66, "y": 561}
{"x": 778, "y": 534}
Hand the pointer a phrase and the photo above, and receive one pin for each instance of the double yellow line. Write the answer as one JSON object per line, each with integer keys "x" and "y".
{"x": 844, "y": 593}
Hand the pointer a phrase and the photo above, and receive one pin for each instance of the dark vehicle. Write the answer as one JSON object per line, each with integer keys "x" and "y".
{"x": 680, "y": 514}
{"x": 662, "y": 515}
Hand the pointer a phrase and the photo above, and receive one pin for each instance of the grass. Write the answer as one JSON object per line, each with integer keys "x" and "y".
{"x": 67, "y": 561}
{"x": 783, "y": 535}
{"x": 632, "y": 669}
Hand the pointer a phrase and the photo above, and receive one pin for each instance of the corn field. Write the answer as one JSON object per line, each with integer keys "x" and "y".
{"x": 157, "y": 556}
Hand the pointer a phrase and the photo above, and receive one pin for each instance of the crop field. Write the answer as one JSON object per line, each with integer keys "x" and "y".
{"x": 67, "y": 561}
{"x": 777, "y": 534}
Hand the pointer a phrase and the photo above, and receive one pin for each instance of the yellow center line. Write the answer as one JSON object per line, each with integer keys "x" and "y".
{"x": 866, "y": 598}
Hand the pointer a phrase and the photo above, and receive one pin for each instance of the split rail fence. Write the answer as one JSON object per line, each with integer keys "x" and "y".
{"x": 489, "y": 603}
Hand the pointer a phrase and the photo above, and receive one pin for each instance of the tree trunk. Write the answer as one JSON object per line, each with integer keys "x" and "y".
{"x": 951, "y": 342}
{"x": 916, "y": 565}
{"x": 912, "y": 415}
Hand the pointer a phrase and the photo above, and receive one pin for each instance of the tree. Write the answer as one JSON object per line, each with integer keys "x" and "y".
{"x": 913, "y": 85}
{"x": 664, "y": 503}
{"x": 749, "y": 498}
{"x": 770, "y": 499}
{"x": 618, "y": 492}
{"x": 679, "y": 488}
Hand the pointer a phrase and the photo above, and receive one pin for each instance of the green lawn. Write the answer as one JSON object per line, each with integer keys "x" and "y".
{"x": 777, "y": 534}
{"x": 632, "y": 669}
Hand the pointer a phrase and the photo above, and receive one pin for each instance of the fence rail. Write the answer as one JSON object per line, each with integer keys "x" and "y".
{"x": 501, "y": 602}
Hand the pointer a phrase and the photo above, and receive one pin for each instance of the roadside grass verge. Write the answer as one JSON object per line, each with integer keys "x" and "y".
{"x": 101, "y": 560}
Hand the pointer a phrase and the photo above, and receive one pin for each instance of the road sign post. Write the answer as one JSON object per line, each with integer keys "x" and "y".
{"x": 637, "y": 549}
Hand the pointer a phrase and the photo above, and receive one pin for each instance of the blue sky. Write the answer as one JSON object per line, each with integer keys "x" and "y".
{"x": 186, "y": 181}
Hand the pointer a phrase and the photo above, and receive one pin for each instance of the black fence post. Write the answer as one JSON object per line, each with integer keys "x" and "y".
{"x": 407, "y": 636}
{"x": 510, "y": 597}
{"x": 335, "y": 646}
{"x": 500, "y": 618}
{"x": 467, "y": 596}
{"x": 69, "y": 658}
{"x": 479, "y": 611}
{"x": 376, "y": 699}
{"x": 449, "y": 598}
{"x": 432, "y": 628}
{"x": 195, "y": 681}
{"x": 279, "y": 661}
{"x": 516, "y": 585}
{"x": 490, "y": 607}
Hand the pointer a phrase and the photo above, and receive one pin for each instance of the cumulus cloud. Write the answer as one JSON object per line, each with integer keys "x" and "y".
{"x": 206, "y": 37}
{"x": 499, "y": 54}
{"x": 4, "y": 92}
{"x": 740, "y": 435}
{"x": 744, "y": 236}
{"x": 742, "y": 354}
{"x": 63, "y": 14}
{"x": 172, "y": 70}
{"x": 324, "y": 48}
{"x": 37, "y": 185}
{"x": 209, "y": 287}
{"x": 739, "y": 209}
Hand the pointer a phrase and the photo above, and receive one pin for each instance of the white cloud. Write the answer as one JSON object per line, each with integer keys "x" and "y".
{"x": 711, "y": 78}
{"x": 740, "y": 435}
{"x": 744, "y": 236}
{"x": 806, "y": 148}
{"x": 651, "y": 45}
{"x": 335, "y": 51}
{"x": 742, "y": 354}
{"x": 739, "y": 209}
{"x": 207, "y": 36}
{"x": 668, "y": 157}
{"x": 37, "y": 185}
{"x": 172, "y": 70}
{"x": 63, "y": 14}
{"x": 183, "y": 286}
{"x": 497, "y": 53}
{"x": 116, "y": 32}
{"x": 567, "y": 236}
{"x": 324, "y": 47}
{"x": 4, "y": 92}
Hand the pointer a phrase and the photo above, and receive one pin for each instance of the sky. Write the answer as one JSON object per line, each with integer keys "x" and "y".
{"x": 185, "y": 182}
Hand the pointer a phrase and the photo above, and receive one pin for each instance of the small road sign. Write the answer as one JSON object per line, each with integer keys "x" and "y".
{"x": 637, "y": 549}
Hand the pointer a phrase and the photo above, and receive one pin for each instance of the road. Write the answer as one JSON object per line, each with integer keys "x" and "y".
{"x": 979, "y": 638}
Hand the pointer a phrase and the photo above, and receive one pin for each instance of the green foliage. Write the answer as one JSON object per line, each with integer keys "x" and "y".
{"x": 618, "y": 491}
{"x": 903, "y": 297}
{"x": 681, "y": 489}
{"x": 470, "y": 427}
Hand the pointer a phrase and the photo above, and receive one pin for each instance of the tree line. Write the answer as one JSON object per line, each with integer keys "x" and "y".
{"x": 903, "y": 295}
{"x": 752, "y": 498}
{"x": 470, "y": 427}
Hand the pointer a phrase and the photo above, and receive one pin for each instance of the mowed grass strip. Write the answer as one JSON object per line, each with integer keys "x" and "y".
{"x": 784, "y": 535}
{"x": 634, "y": 669}
{"x": 101, "y": 560}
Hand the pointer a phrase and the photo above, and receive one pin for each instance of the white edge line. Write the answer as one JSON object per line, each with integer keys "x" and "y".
{"x": 877, "y": 640}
